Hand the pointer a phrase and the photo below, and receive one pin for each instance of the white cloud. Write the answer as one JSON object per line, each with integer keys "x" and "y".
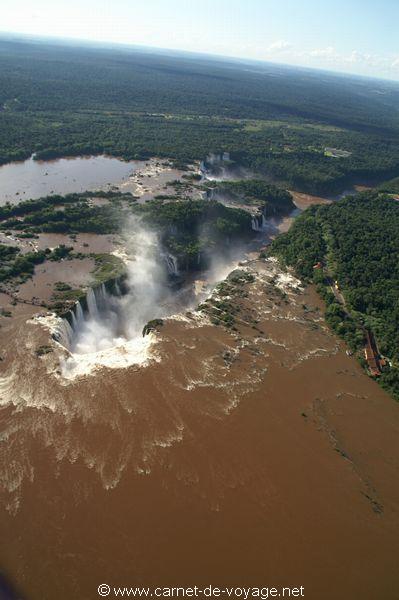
{"x": 361, "y": 58}
{"x": 328, "y": 52}
{"x": 328, "y": 57}
{"x": 279, "y": 45}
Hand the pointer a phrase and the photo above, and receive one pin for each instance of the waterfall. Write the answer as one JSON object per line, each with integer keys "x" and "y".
{"x": 171, "y": 264}
{"x": 101, "y": 307}
{"x": 259, "y": 222}
{"x": 172, "y": 229}
{"x": 92, "y": 303}
{"x": 256, "y": 223}
{"x": 105, "y": 327}
{"x": 264, "y": 222}
{"x": 79, "y": 312}
{"x": 65, "y": 334}
{"x": 118, "y": 289}
{"x": 112, "y": 316}
{"x": 103, "y": 293}
{"x": 74, "y": 320}
{"x": 213, "y": 158}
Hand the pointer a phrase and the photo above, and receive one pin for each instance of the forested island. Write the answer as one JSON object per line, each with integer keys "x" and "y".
{"x": 256, "y": 192}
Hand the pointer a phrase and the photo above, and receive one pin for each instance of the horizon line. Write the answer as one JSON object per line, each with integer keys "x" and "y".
{"x": 192, "y": 53}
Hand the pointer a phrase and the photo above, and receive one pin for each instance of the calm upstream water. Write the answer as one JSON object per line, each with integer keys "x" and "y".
{"x": 34, "y": 179}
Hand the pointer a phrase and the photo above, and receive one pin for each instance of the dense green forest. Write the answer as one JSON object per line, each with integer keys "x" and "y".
{"x": 357, "y": 242}
{"x": 64, "y": 100}
{"x": 391, "y": 187}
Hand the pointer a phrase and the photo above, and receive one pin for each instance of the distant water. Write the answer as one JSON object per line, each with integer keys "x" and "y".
{"x": 34, "y": 179}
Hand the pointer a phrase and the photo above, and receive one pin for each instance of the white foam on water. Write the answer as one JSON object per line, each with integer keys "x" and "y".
{"x": 122, "y": 354}
{"x": 118, "y": 353}
{"x": 286, "y": 281}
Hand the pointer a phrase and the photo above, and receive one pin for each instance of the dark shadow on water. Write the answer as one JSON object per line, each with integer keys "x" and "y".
{"x": 8, "y": 591}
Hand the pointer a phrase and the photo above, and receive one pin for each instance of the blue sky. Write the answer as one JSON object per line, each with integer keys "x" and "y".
{"x": 354, "y": 36}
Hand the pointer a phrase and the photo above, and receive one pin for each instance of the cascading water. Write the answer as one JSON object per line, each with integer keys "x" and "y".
{"x": 171, "y": 264}
{"x": 96, "y": 328}
{"x": 106, "y": 328}
{"x": 108, "y": 324}
{"x": 213, "y": 168}
{"x": 258, "y": 222}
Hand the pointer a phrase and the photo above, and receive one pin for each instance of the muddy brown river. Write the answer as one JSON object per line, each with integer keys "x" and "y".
{"x": 257, "y": 457}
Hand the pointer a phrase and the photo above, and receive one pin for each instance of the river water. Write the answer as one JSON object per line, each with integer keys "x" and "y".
{"x": 34, "y": 179}
{"x": 260, "y": 456}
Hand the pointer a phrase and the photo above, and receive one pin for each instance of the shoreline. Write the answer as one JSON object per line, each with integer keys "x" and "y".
{"x": 153, "y": 166}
